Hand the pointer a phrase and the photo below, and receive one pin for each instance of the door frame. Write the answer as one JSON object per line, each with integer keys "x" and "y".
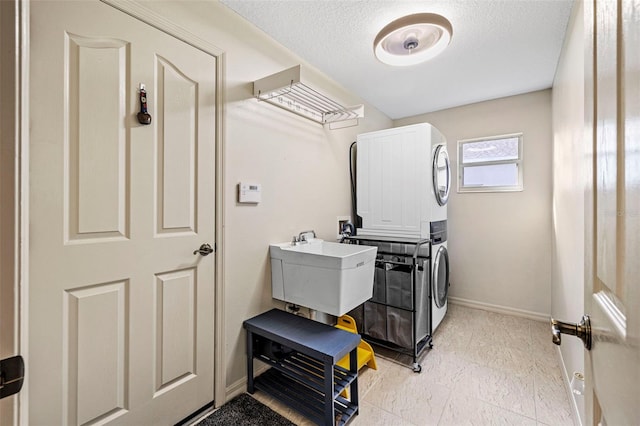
{"x": 20, "y": 119}
{"x": 9, "y": 178}
{"x": 591, "y": 417}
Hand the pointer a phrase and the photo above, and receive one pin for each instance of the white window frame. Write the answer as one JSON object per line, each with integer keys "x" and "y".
{"x": 519, "y": 162}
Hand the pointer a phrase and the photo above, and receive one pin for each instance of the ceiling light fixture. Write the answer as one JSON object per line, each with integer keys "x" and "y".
{"x": 413, "y": 39}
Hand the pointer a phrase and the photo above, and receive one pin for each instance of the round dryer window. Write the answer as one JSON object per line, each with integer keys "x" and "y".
{"x": 441, "y": 175}
{"x": 441, "y": 277}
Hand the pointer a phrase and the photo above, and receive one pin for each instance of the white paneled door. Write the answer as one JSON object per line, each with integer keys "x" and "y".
{"x": 612, "y": 243}
{"x": 120, "y": 310}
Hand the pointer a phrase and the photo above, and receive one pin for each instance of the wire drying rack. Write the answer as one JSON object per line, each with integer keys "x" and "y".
{"x": 286, "y": 91}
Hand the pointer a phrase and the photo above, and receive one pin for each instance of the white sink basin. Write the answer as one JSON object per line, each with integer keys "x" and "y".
{"x": 328, "y": 277}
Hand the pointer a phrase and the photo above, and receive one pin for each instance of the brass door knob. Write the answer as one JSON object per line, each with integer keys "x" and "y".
{"x": 581, "y": 330}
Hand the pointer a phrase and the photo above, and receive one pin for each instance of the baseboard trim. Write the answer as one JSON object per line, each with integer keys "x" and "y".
{"x": 235, "y": 389}
{"x": 567, "y": 385}
{"x": 536, "y": 316}
{"x": 240, "y": 386}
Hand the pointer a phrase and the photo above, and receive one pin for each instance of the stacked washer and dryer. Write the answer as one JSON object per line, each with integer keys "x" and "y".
{"x": 402, "y": 186}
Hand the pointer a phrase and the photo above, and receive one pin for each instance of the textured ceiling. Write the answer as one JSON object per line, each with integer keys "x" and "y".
{"x": 499, "y": 47}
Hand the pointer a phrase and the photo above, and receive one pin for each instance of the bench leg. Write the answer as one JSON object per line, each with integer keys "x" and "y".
{"x": 250, "y": 387}
{"x": 329, "y": 415}
{"x": 353, "y": 368}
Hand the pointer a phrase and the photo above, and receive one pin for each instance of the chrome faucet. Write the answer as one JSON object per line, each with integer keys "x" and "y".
{"x": 303, "y": 237}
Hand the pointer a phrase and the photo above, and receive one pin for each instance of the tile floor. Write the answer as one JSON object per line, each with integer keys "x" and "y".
{"x": 484, "y": 369}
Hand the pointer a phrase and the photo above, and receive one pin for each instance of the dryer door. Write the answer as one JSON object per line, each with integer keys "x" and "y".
{"x": 440, "y": 277}
{"x": 441, "y": 175}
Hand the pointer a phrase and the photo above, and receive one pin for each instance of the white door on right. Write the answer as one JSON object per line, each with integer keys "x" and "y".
{"x": 612, "y": 207}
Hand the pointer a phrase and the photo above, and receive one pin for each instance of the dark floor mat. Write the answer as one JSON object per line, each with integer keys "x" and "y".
{"x": 244, "y": 410}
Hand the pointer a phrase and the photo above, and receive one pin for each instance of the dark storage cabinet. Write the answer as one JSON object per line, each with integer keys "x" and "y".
{"x": 303, "y": 356}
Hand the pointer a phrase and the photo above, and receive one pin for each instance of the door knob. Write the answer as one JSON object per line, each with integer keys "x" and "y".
{"x": 11, "y": 375}
{"x": 204, "y": 250}
{"x": 581, "y": 330}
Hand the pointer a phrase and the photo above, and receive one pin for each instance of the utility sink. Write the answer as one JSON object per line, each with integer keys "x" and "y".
{"x": 328, "y": 277}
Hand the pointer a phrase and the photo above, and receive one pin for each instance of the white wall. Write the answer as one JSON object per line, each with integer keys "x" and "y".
{"x": 567, "y": 291}
{"x": 303, "y": 167}
{"x": 500, "y": 243}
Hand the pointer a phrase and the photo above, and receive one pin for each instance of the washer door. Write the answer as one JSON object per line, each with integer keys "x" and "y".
{"x": 441, "y": 175}
{"x": 440, "y": 277}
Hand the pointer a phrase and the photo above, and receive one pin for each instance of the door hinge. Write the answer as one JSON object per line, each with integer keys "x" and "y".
{"x": 11, "y": 375}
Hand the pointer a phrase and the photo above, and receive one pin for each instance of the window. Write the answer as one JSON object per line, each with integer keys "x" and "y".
{"x": 490, "y": 164}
